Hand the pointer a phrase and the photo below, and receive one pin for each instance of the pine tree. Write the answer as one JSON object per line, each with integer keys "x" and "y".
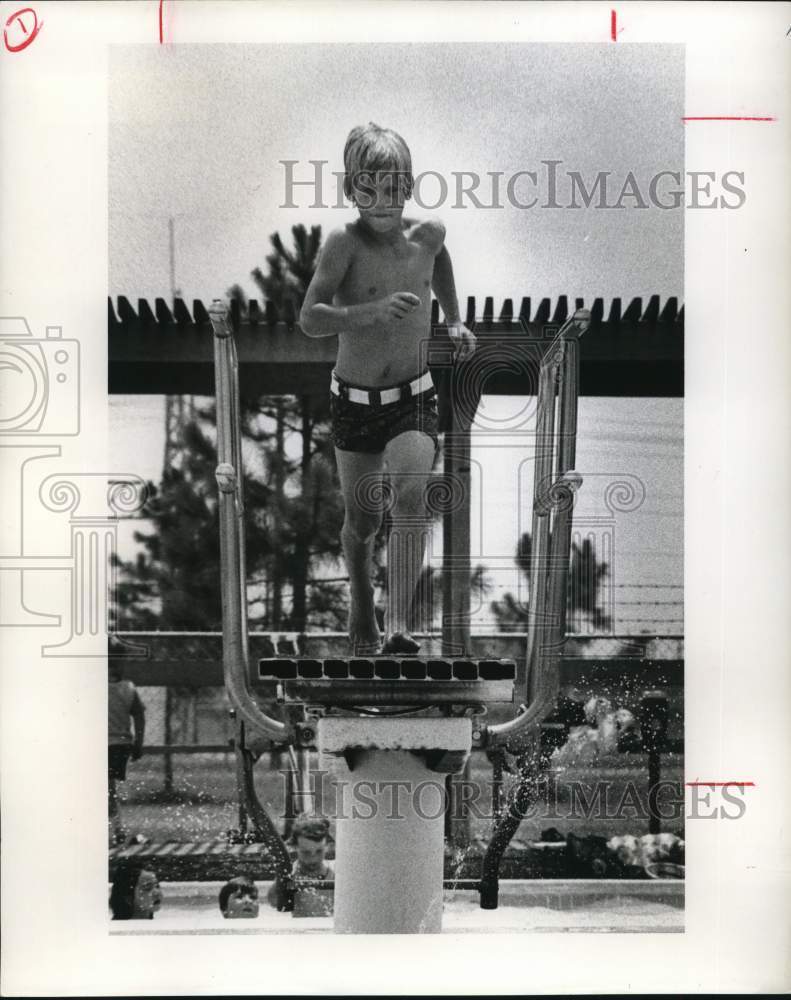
{"x": 305, "y": 511}
{"x": 586, "y": 576}
{"x": 290, "y": 271}
{"x": 174, "y": 581}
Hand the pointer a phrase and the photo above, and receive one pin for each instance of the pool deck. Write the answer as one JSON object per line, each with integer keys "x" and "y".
{"x": 581, "y": 905}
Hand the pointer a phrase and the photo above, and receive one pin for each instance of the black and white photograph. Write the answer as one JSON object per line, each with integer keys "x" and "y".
{"x": 384, "y": 493}
{"x": 411, "y": 363}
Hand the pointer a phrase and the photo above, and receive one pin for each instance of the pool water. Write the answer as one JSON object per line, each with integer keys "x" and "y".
{"x": 592, "y": 906}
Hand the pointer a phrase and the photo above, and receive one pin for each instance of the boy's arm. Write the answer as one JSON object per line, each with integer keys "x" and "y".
{"x": 320, "y": 318}
{"x": 443, "y": 284}
{"x": 138, "y": 714}
{"x": 444, "y": 287}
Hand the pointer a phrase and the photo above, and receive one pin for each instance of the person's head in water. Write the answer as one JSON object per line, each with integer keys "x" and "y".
{"x": 239, "y": 898}
{"x": 135, "y": 892}
{"x": 378, "y": 175}
{"x": 310, "y": 836}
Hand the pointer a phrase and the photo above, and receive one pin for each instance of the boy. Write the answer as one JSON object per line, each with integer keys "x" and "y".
{"x": 310, "y": 836}
{"x": 124, "y": 707}
{"x": 238, "y": 899}
{"x": 372, "y": 287}
{"x": 135, "y": 892}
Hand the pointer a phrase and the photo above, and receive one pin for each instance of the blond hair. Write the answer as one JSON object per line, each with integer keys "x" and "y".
{"x": 371, "y": 149}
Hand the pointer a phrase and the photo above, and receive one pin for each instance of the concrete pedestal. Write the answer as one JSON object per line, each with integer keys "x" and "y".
{"x": 389, "y": 851}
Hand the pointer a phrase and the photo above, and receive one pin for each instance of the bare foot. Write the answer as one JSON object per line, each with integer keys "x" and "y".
{"x": 401, "y": 642}
{"x": 364, "y": 634}
{"x": 365, "y": 647}
{"x": 365, "y": 641}
{"x": 365, "y": 637}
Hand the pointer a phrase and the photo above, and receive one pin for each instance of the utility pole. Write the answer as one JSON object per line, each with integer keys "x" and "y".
{"x": 172, "y": 255}
{"x": 178, "y": 410}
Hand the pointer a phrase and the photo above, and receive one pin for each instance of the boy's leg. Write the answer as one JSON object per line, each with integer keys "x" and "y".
{"x": 361, "y": 522}
{"x": 410, "y": 459}
{"x": 114, "y": 811}
{"x": 117, "y": 759}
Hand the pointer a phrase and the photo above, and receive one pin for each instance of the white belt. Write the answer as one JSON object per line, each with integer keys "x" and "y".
{"x": 369, "y": 396}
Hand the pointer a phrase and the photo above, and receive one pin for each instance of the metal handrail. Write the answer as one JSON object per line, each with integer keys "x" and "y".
{"x": 554, "y": 487}
{"x": 229, "y": 476}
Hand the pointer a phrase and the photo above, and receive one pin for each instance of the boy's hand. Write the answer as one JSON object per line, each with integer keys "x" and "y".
{"x": 463, "y": 341}
{"x": 395, "y": 306}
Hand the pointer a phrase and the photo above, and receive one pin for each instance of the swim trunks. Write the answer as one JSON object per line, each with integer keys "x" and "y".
{"x": 367, "y": 427}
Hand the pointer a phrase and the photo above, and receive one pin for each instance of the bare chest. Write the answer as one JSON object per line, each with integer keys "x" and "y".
{"x": 386, "y": 270}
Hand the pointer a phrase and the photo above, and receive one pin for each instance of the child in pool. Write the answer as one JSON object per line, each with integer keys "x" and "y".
{"x": 135, "y": 892}
{"x": 310, "y": 836}
{"x": 238, "y": 899}
{"x": 372, "y": 287}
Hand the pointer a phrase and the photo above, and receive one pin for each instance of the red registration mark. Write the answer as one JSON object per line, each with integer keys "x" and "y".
{"x": 24, "y": 25}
